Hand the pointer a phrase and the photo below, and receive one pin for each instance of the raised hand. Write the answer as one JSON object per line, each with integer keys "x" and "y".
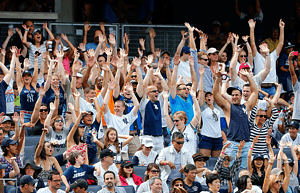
{"x": 191, "y": 60}
{"x": 125, "y": 38}
{"x": 52, "y": 107}
{"x": 140, "y": 52}
{"x": 160, "y": 63}
{"x": 268, "y": 140}
{"x": 108, "y": 51}
{"x": 192, "y": 93}
{"x": 272, "y": 157}
{"x": 283, "y": 156}
{"x": 289, "y": 144}
{"x": 245, "y": 38}
{"x": 142, "y": 43}
{"x": 264, "y": 49}
{"x": 176, "y": 59}
{"x": 183, "y": 34}
{"x": 10, "y": 32}
{"x": 149, "y": 59}
{"x": 18, "y": 31}
{"x": 189, "y": 27}
{"x": 152, "y": 33}
{"x": 241, "y": 145}
{"x": 3, "y": 52}
{"x": 281, "y": 23}
{"x": 45, "y": 25}
{"x": 81, "y": 47}
{"x": 112, "y": 85}
{"x": 122, "y": 53}
{"x": 165, "y": 94}
{"x": 129, "y": 87}
{"x": 136, "y": 62}
{"x": 102, "y": 26}
{"x": 201, "y": 34}
{"x": 101, "y": 38}
{"x": 71, "y": 106}
{"x": 236, "y": 36}
{"x": 251, "y": 23}
{"x": 282, "y": 143}
{"x": 16, "y": 118}
{"x": 112, "y": 39}
{"x": 64, "y": 36}
{"x": 201, "y": 70}
{"x": 244, "y": 72}
{"x": 59, "y": 54}
{"x": 188, "y": 79}
{"x": 91, "y": 62}
{"x": 25, "y": 27}
{"x": 87, "y": 26}
{"x": 157, "y": 52}
{"x": 225, "y": 146}
{"x": 26, "y": 63}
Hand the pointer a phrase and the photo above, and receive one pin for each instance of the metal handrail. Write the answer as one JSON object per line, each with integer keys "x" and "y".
{"x": 11, "y": 179}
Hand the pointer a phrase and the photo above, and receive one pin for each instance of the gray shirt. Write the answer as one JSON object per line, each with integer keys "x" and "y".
{"x": 208, "y": 81}
{"x": 61, "y": 137}
{"x": 117, "y": 190}
{"x": 145, "y": 187}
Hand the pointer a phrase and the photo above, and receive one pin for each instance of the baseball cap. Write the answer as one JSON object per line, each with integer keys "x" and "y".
{"x": 276, "y": 171}
{"x": 244, "y": 65}
{"x": 293, "y": 124}
{"x": 258, "y": 155}
{"x": 8, "y": 141}
{"x": 216, "y": 23}
{"x": 211, "y": 51}
{"x": 165, "y": 52}
{"x": 32, "y": 164}
{"x": 6, "y": 118}
{"x": 126, "y": 163}
{"x": 82, "y": 183}
{"x": 26, "y": 72}
{"x": 36, "y": 31}
{"x": 88, "y": 113}
{"x": 185, "y": 50}
{"x": 107, "y": 152}
{"x": 27, "y": 180}
{"x": 288, "y": 45}
{"x": 229, "y": 156}
{"x": 81, "y": 125}
{"x": 147, "y": 142}
{"x": 79, "y": 75}
{"x": 230, "y": 89}
{"x": 207, "y": 93}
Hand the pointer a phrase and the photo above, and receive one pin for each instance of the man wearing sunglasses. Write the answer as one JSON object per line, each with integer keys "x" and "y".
{"x": 173, "y": 159}
{"x": 236, "y": 115}
{"x": 54, "y": 183}
{"x": 27, "y": 184}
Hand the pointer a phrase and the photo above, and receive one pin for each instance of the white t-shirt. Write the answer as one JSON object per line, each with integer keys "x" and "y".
{"x": 255, "y": 189}
{"x": 9, "y": 95}
{"x": 131, "y": 182}
{"x": 46, "y": 190}
{"x": 296, "y": 111}
{"x": 240, "y": 82}
{"x": 100, "y": 178}
{"x": 121, "y": 124}
{"x": 211, "y": 127}
{"x": 190, "y": 137}
{"x": 259, "y": 62}
{"x": 287, "y": 137}
{"x": 184, "y": 70}
{"x": 238, "y": 66}
{"x": 143, "y": 159}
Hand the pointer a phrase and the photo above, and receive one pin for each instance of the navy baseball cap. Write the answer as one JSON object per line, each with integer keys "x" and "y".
{"x": 8, "y": 141}
{"x": 186, "y": 50}
{"x": 27, "y": 180}
{"x": 26, "y": 72}
{"x": 293, "y": 124}
{"x": 258, "y": 155}
{"x": 230, "y": 89}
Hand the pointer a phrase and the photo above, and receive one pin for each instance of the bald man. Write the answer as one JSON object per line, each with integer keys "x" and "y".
{"x": 152, "y": 119}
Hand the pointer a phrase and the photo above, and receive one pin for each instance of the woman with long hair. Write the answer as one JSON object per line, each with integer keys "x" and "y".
{"x": 244, "y": 183}
{"x": 152, "y": 171}
{"x": 75, "y": 141}
{"x": 43, "y": 157}
{"x": 127, "y": 176}
{"x": 145, "y": 155}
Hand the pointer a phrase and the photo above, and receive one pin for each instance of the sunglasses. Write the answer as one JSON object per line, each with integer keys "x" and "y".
{"x": 262, "y": 116}
{"x": 127, "y": 167}
{"x": 201, "y": 160}
{"x": 278, "y": 181}
{"x": 204, "y": 59}
{"x": 179, "y": 142}
{"x": 215, "y": 116}
{"x": 243, "y": 56}
{"x": 226, "y": 159}
{"x": 43, "y": 110}
{"x": 176, "y": 185}
{"x": 154, "y": 91}
{"x": 155, "y": 171}
{"x": 176, "y": 121}
{"x": 58, "y": 120}
{"x": 184, "y": 88}
{"x": 133, "y": 76}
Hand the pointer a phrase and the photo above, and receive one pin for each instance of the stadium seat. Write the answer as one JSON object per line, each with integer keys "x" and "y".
{"x": 128, "y": 189}
{"x": 287, "y": 151}
{"x": 32, "y": 140}
{"x": 29, "y": 152}
{"x": 211, "y": 162}
{"x": 94, "y": 188}
{"x": 140, "y": 171}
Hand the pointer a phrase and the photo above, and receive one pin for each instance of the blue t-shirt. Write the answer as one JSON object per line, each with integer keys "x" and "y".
{"x": 3, "y": 87}
{"x": 194, "y": 188}
{"x": 50, "y": 97}
{"x": 283, "y": 61}
{"x": 92, "y": 146}
{"x": 73, "y": 173}
{"x": 28, "y": 98}
{"x": 91, "y": 46}
{"x": 179, "y": 104}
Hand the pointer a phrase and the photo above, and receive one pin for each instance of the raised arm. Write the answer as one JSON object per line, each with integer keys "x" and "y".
{"x": 232, "y": 69}
{"x": 249, "y": 161}
{"x": 70, "y": 139}
{"x": 16, "y": 169}
{"x": 51, "y": 36}
{"x": 39, "y": 148}
{"x": 10, "y": 33}
{"x": 152, "y": 35}
{"x": 292, "y": 69}
{"x": 116, "y": 90}
{"x": 197, "y": 115}
{"x": 264, "y": 73}
{"x": 254, "y": 91}
{"x": 24, "y": 39}
{"x": 48, "y": 81}
{"x": 61, "y": 69}
{"x": 281, "y": 37}
{"x": 98, "y": 109}
{"x": 229, "y": 40}
{"x": 266, "y": 184}
{"x": 201, "y": 95}
{"x": 174, "y": 76}
{"x": 166, "y": 110}
{"x": 111, "y": 86}
{"x": 250, "y": 55}
{"x": 127, "y": 138}
{"x": 136, "y": 103}
{"x": 87, "y": 28}
{"x": 182, "y": 42}
{"x": 139, "y": 87}
{"x": 286, "y": 180}
{"x": 8, "y": 76}
{"x": 295, "y": 157}
{"x": 35, "y": 71}
{"x": 37, "y": 106}
{"x": 193, "y": 74}
{"x": 221, "y": 102}
{"x": 252, "y": 38}
{"x": 49, "y": 116}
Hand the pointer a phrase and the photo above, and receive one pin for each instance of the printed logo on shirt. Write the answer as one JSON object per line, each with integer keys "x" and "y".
{"x": 125, "y": 121}
{"x": 244, "y": 110}
{"x": 79, "y": 174}
{"x": 155, "y": 106}
{"x": 195, "y": 188}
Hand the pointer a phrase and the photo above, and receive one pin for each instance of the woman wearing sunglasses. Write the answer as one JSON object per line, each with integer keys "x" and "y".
{"x": 127, "y": 176}
{"x": 200, "y": 161}
{"x": 57, "y": 132}
{"x": 259, "y": 126}
{"x": 152, "y": 171}
{"x": 242, "y": 58}
{"x": 180, "y": 121}
{"x": 177, "y": 183}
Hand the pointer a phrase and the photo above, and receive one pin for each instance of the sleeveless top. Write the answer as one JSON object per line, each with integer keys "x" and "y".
{"x": 28, "y": 98}
{"x": 239, "y": 128}
{"x": 50, "y": 97}
{"x": 152, "y": 119}
{"x": 118, "y": 157}
{"x": 81, "y": 148}
{"x": 256, "y": 179}
{"x": 45, "y": 173}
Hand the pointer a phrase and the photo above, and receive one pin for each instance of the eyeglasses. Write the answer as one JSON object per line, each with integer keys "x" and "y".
{"x": 278, "y": 181}
{"x": 176, "y": 121}
{"x": 215, "y": 116}
{"x": 243, "y": 56}
{"x": 179, "y": 142}
{"x": 59, "y": 120}
{"x": 176, "y": 185}
{"x": 155, "y": 171}
{"x": 43, "y": 110}
{"x": 127, "y": 167}
{"x": 262, "y": 116}
{"x": 154, "y": 91}
{"x": 204, "y": 59}
{"x": 183, "y": 88}
{"x": 201, "y": 160}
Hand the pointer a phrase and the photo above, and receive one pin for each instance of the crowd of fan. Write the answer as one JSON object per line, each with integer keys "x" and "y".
{"x": 99, "y": 112}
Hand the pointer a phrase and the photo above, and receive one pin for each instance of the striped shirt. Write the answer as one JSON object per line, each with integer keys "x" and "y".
{"x": 31, "y": 52}
{"x": 261, "y": 146}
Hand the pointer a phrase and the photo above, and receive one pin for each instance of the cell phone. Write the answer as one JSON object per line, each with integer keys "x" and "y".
{"x": 38, "y": 53}
{"x": 295, "y": 53}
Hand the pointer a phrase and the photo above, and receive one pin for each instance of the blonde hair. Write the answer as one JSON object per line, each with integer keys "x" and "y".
{"x": 181, "y": 115}
{"x": 272, "y": 180}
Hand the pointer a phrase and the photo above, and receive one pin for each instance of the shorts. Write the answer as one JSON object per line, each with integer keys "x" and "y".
{"x": 210, "y": 143}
